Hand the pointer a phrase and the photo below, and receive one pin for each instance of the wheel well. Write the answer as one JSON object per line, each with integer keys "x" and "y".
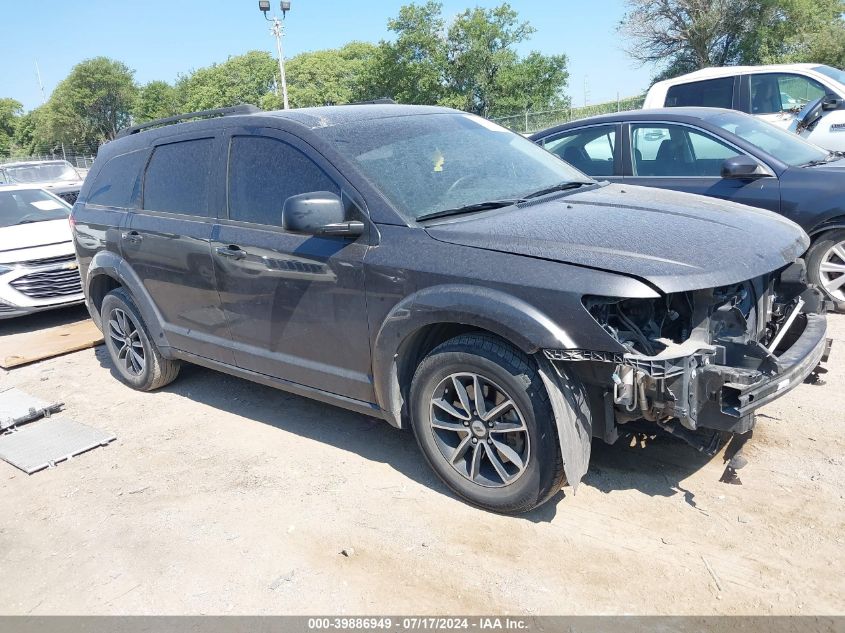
{"x": 830, "y": 225}
{"x": 419, "y": 344}
{"x": 100, "y": 286}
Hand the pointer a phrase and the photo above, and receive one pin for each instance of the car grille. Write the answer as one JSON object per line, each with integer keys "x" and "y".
{"x": 61, "y": 259}
{"x": 46, "y": 284}
{"x": 69, "y": 196}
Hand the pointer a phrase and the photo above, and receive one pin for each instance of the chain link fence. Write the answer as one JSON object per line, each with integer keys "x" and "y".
{"x": 529, "y": 122}
{"x": 81, "y": 156}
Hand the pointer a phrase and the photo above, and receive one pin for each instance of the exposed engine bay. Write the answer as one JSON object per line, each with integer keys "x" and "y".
{"x": 706, "y": 359}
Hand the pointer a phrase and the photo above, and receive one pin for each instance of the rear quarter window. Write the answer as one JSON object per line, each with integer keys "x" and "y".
{"x": 712, "y": 93}
{"x": 118, "y": 184}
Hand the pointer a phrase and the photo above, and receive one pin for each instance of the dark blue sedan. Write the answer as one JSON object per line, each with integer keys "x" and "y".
{"x": 723, "y": 154}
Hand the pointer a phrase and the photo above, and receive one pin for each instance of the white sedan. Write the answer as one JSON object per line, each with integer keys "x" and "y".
{"x": 38, "y": 269}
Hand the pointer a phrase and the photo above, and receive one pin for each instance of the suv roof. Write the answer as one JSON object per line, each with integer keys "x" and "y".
{"x": 730, "y": 71}
{"x": 314, "y": 117}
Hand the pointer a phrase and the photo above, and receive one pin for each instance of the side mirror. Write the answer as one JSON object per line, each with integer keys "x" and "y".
{"x": 831, "y": 103}
{"x": 743, "y": 168}
{"x": 319, "y": 213}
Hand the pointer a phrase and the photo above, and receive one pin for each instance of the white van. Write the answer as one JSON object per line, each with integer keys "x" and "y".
{"x": 777, "y": 94}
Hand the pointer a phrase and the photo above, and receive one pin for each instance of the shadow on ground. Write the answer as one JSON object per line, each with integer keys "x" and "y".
{"x": 654, "y": 466}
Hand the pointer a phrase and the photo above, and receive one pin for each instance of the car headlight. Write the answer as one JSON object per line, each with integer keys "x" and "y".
{"x": 4, "y": 269}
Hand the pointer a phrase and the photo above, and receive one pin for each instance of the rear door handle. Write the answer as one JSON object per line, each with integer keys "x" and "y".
{"x": 231, "y": 251}
{"x": 133, "y": 237}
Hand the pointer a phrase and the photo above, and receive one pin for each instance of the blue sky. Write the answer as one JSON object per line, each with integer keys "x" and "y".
{"x": 160, "y": 39}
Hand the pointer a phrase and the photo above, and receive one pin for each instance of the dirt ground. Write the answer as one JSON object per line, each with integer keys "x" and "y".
{"x": 223, "y": 496}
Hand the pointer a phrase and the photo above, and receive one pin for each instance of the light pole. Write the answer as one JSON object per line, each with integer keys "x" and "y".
{"x": 278, "y": 31}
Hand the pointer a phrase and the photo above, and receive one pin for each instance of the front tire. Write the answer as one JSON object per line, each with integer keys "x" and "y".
{"x": 137, "y": 360}
{"x": 826, "y": 266}
{"x": 482, "y": 418}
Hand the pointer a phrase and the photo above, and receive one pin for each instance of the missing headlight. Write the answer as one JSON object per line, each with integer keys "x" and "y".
{"x": 644, "y": 326}
{"x": 649, "y": 326}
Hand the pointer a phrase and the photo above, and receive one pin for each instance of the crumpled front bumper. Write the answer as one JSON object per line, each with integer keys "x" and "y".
{"x": 700, "y": 391}
{"x": 739, "y": 397}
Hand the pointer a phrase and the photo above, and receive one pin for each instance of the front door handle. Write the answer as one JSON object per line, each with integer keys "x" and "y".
{"x": 133, "y": 237}
{"x": 231, "y": 251}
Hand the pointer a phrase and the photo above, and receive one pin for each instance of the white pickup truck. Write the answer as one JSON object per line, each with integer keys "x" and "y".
{"x": 808, "y": 99}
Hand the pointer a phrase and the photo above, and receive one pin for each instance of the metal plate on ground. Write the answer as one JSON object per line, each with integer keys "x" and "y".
{"x": 17, "y": 407}
{"x": 41, "y": 444}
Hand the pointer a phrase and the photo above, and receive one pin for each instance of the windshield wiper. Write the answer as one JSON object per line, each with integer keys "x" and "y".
{"x": 559, "y": 187}
{"x": 470, "y": 208}
{"x": 832, "y": 156}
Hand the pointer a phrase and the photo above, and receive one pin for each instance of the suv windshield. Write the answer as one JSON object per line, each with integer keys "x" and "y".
{"x": 23, "y": 206}
{"x": 427, "y": 164}
{"x": 833, "y": 73}
{"x": 787, "y": 147}
{"x": 41, "y": 172}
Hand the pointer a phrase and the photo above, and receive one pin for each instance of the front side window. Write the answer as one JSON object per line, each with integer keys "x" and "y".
{"x": 263, "y": 173}
{"x": 787, "y": 147}
{"x": 666, "y": 150}
{"x": 434, "y": 163}
{"x": 590, "y": 149}
{"x": 712, "y": 93}
{"x": 773, "y": 93}
{"x": 178, "y": 177}
{"x": 25, "y": 206}
{"x": 119, "y": 182}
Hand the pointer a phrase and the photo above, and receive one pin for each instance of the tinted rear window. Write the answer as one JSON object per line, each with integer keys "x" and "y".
{"x": 178, "y": 177}
{"x": 713, "y": 93}
{"x": 119, "y": 182}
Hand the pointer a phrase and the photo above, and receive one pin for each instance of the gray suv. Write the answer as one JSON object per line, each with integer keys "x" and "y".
{"x": 427, "y": 267}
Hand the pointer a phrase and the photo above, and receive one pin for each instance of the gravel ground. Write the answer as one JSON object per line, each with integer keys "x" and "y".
{"x": 223, "y": 496}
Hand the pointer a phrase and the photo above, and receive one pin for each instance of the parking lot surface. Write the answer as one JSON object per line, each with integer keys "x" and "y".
{"x": 221, "y": 496}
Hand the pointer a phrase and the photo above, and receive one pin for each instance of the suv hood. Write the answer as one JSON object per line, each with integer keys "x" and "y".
{"x": 24, "y": 242}
{"x": 675, "y": 241}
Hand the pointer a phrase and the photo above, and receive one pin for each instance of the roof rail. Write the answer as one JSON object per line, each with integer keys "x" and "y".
{"x": 202, "y": 114}
{"x": 379, "y": 101}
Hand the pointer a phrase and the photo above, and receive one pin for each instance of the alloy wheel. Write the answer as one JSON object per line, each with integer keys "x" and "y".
{"x": 832, "y": 271}
{"x": 479, "y": 430}
{"x": 126, "y": 340}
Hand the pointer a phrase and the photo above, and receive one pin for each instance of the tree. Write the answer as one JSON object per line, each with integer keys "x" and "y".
{"x": 471, "y": 65}
{"x": 92, "y": 104}
{"x": 698, "y": 32}
{"x": 799, "y": 31}
{"x": 480, "y": 50}
{"x": 680, "y": 36}
{"x": 331, "y": 76}
{"x": 412, "y": 68}
{"x": 10, "y": 111}
{"x": 245, "y": 78}
{"x": 533, "y": 83}
{"x": 155, "y": 100}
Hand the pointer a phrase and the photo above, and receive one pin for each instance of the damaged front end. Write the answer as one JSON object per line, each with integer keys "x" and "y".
{"x": 706, "y": 359}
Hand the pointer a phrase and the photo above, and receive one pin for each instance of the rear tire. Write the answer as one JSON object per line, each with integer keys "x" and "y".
{"x": 826, "y": 266}
{"x": 137, "y": 360}
{"x": 498, "y": 456}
